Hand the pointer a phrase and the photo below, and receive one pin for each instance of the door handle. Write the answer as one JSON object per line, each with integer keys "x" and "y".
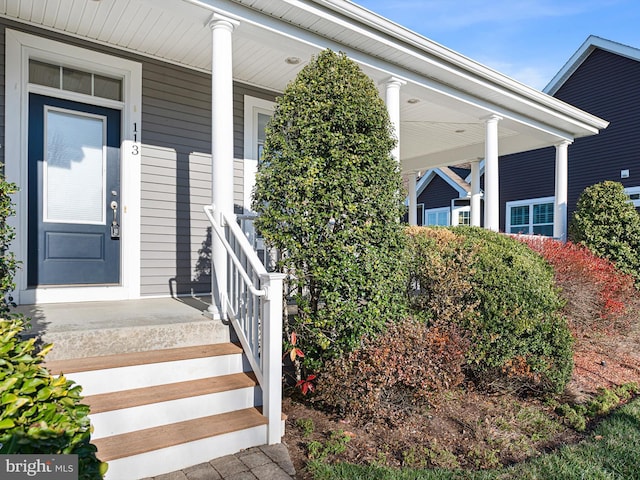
{"x": 115, "y": 228}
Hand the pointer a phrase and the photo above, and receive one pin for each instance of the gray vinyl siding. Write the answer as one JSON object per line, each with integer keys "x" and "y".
{"x": 176, "y": 180}
{"x": 2, "y": 103}
{"x": 175, "y": 167}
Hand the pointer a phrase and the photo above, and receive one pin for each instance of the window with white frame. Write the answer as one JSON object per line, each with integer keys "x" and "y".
{"x": 530, "y": 217}
{"x": 460, "y": 212}
{"x": 437, "y": 216}
{"x": 634, "y": 195}
{"x": 257, "y": 113}
{"x": 463, "y": 216}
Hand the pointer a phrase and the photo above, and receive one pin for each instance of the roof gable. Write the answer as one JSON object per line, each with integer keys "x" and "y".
{"x": 449, "y": 176}
{"x": 590, "y": 44}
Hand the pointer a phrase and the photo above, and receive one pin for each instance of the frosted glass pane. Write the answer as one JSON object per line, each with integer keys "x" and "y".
{"x": 263, "y": 119}
{"x": 74, "y": 168}
{"x": 106, "y": 87}
{"x": 76, "y": 81}
{"x": 44, "y": 74}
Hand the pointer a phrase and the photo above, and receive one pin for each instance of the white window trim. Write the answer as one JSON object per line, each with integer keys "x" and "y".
{"x": 631, "y": 191}
{"x": 19, "y": 48}
{"x": 455, "y": 210}
{"x": 421, "y": 218}
{"x": 252, "y": 106}
{"x": 519, "y": 203}
{"x": 436, "y": 211}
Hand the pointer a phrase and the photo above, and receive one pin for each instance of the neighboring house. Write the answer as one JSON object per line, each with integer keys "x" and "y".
{"x": 123, "y": 119}
{"x": 444, "y": 197}
{"x": 601, "y": 78}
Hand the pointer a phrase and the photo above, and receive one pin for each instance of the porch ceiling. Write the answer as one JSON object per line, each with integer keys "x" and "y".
{"x": 445, "y": 126}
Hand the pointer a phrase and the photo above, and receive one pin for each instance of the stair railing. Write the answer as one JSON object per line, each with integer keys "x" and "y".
{"x": 253, "y": 304}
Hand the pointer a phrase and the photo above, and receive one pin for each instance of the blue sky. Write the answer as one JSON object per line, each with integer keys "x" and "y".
{"x": 529, "y": 40}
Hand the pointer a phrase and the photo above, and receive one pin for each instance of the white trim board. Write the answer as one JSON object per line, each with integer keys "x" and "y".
{"x": 526, "y": 202}
{"x": 252, "y": 106}
{"x": 590, "y": 44}
{"x": 20, "y": 47}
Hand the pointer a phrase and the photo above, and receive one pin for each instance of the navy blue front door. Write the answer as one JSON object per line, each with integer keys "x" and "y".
{"x": 74, "y": 193}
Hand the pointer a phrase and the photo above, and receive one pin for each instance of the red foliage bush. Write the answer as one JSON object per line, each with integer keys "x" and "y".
{"x": 598, "y": 296}
{"x": 395, "y": 373}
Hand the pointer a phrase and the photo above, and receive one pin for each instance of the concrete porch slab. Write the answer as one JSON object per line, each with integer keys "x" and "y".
{"x": 85, "y": 329}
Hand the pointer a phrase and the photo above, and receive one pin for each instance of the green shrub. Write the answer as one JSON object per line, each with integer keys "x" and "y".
{"x": 41, "y": 413}
{"x": 504, "y": 297}
{"x": 519, "y": 335}
{"x": 8, "y": 264}
{"x": 440, "y": 287}
{"x": 608, "y": 225}
{"x": 329, "y": 196}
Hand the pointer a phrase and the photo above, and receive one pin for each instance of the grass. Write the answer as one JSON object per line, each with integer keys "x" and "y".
{"x": 612, "y": 452}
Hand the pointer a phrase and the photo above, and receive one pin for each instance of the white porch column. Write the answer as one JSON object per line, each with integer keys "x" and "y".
{"x": 476, "y": 195}
{"x": 413, "y": 198}
{"x": 221, "y": 149}
{"x": 491, "y": 176}
{"x": 392, "y": 100}
{"x": 560, "y": 204}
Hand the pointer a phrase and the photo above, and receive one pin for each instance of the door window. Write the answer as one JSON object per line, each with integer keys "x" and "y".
{"x": 74, "y": 167}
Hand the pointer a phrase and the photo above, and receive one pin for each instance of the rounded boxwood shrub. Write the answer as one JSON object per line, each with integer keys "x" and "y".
{"x": 41, "y": 413}
{"x": 608, "y": 225}
{"x": 519, "y": 333}
{"x": 328, "y": 193}
{"x": 504, "y": 296}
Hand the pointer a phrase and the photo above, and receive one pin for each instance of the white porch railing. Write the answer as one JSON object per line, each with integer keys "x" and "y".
{"x": 253, "y": 303}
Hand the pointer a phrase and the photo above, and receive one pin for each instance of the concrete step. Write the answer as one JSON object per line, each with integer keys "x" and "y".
{"x": 86, "y": 329}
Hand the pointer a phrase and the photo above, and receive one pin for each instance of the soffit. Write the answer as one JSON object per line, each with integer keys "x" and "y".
{"x": 445, "y": 126}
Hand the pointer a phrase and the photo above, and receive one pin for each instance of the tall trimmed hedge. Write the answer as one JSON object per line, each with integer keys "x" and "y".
{"x": 329, "y": 195}
{"x": 608, "y": 225}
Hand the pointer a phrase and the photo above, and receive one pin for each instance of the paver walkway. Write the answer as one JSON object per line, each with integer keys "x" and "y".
{"x": 269, "y": 462}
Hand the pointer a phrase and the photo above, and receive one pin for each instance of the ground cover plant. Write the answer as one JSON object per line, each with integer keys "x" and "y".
{"x": 611, "y": 451}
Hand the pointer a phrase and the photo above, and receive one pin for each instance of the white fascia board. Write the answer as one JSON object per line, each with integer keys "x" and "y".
{"x": 430, "y": 174}
{"x": 589, "y": 45}
{"x": 422, "y": 50}
{"x": 405, "y": 35}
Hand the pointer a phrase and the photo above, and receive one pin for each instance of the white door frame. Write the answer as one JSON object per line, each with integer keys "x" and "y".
{"x": 20, "y": 47}
{"x": 252, "y": 106}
